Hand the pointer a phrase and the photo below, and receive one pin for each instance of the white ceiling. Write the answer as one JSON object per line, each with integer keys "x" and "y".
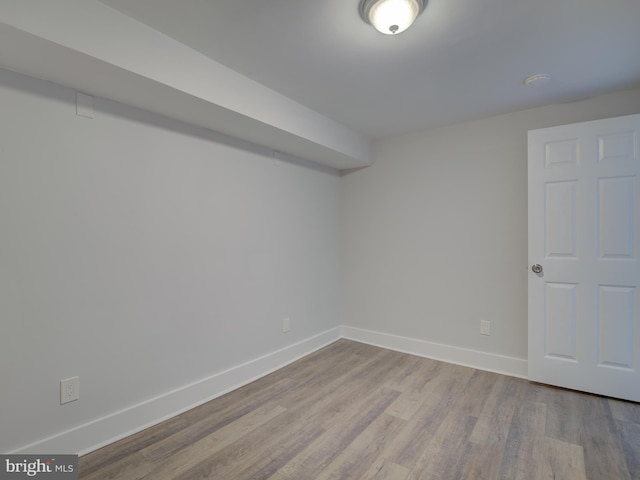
{"x": 461, "y": 60}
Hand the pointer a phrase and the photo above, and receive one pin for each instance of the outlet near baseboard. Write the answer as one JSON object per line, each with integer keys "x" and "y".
{"x": 69, "y": 390}
{"x": 485, "y": 327}
{"x": 285, "y": 325}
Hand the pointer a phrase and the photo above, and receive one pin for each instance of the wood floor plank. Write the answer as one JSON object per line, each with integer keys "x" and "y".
{"x": 564, "y": 412}
{"x": 488, "y": 440}
{"x": 441, "y": 394}
{"x": 277, "y": 476}
{"x": 174, "y": 466}
{"x": 352, "y": 411}
{"x": 604, "y": 455}
{"x": 586, "y": 420}
{"x": 494, "y": 421}
{"x": 525, "y": 442}
{"x": 406, "y": 405}
{"x": 198, "y": 424}
{"x": 476, "y": 392}
{"x": 625, "y": 411}
{"x": 343, "y": 397}
{"x": 355, "y": 459}
{"x": 105, "y": 462}
{"x": 564, "y": 460}
{"x": 382, "y": 469}
{"x": 336, "y": 356}
{"x": 252, "y": 457}
{"x": 266, "y": 465}
{"x": 314, "y": 459}
{"x": 630, "y": 440}
{"x": 414, "y": 375}
{"x": 442, "y": 456}
{"x": 212, "y": 420}
{"x": 352, "y": 372}
{"x": 345, "y": 434}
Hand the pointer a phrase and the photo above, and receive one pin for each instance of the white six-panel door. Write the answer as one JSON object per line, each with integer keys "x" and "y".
{"x": 584, "y": 218}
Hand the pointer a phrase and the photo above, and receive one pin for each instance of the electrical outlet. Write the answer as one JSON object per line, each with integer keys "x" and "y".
{"x": 485, "y": 327}
{"x": 285, "y": 325}
{"x": 69, "y": 390}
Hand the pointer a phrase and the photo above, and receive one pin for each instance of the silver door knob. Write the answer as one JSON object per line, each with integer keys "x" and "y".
{"x": 537, "y": 268}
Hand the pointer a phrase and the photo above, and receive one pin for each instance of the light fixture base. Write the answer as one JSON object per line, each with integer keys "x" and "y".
{"x": 537, "y": 80}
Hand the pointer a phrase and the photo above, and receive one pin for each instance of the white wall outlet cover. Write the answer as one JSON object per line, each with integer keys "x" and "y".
{"x": 84, "y": 105}
{"x": 485, "y": 327}
{"x": 69, "y": 390}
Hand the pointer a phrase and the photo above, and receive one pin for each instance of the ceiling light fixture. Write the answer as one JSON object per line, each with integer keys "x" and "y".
{"x": 391, "y": 16}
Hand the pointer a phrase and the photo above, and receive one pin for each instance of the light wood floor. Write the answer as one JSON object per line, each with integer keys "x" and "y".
{"x": 353, "y": 411}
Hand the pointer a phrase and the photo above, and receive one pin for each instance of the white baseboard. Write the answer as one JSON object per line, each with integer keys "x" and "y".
{"x": 110, "y": 428}
{"x": 515, "y": 367}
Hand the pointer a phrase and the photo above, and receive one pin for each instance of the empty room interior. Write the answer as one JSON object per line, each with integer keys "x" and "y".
{"x": 288, "y": 240}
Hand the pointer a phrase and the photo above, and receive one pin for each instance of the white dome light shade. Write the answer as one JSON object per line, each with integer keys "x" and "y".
{"x": 391, "y": 16}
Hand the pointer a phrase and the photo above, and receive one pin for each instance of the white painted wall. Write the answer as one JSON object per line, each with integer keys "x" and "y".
{"x": 143, "y": 254}
{"x": 434, "y": 234}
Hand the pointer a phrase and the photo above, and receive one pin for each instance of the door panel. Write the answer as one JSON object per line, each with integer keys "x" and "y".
{"x": 615, "y": 326}
{"x": 615, "y": 215}
{"x": 560, "y": 321}
{"x": 584, "y": 221}
{"x": 560, "y": 214}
